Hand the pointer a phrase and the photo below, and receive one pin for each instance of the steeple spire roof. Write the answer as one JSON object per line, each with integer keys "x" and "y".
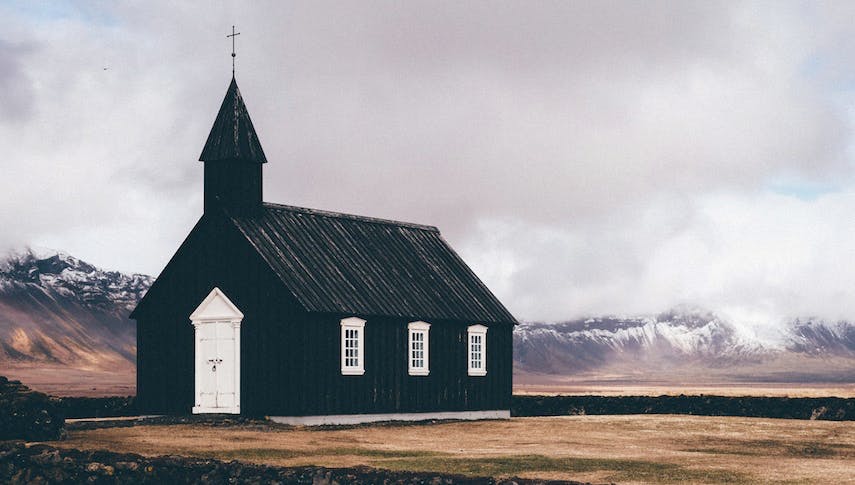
{"x": 233, "y": 137}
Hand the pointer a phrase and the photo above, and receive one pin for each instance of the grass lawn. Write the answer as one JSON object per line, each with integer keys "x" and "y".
{"x": 624, "y": 449}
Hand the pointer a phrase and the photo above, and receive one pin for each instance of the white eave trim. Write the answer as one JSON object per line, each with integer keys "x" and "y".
{"x": 419, "y": 325}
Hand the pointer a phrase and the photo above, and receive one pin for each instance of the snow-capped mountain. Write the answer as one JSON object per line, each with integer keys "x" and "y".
{"x": 58, "y": 312}
{"x": 57, "y": 309}
{"x": 820, "y": 338}
{"x": 684, "y": 344}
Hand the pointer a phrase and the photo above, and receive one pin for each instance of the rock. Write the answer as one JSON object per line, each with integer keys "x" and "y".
{"x": 322, "y": 478}
{"x": 100, "y": 469}
{"x": 12, "y": 450}
{"x": 47, "y": 457}
{"x": 27, "y": 414}
{"x": 130, "y": 466}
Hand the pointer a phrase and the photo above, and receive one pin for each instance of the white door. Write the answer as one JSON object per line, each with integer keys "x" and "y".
{"x": 217, "y": 355}
{"x": 217, "y": 365}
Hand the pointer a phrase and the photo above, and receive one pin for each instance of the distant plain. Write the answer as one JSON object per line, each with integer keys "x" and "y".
{"x": 64, "y": 381}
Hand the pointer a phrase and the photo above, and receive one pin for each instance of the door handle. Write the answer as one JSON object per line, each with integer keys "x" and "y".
{"x": 215, "y": 362}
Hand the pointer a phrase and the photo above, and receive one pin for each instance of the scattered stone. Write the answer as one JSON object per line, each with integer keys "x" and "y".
{"x": 131, "y": 466}
{"x": 100, "y": 468}
{"x": 27, "y": 414}
{"x": 47, "y": 457}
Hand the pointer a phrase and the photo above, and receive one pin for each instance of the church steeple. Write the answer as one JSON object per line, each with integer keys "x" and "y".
{"x": 233, "y": 157}
{"x": 233, "y": 136}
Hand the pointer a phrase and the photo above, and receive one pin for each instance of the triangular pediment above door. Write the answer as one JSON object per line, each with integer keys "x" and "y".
{"x": 216, "y": 306}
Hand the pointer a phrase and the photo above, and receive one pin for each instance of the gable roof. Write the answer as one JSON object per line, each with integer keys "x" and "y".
{"x": 233, "y": 137}
{"x": 340, "y": 263}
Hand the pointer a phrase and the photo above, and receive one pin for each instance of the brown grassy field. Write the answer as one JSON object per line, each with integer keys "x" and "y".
{"x": 624, "y": 449}
{"x": 842, "y": 390}
{"x": 58, "y": 380}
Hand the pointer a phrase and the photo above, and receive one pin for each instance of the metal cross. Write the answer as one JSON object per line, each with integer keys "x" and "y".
{"x": 233, "y": 35}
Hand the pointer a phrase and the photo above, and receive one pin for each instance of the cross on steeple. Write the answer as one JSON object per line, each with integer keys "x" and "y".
{"x": 233, "y": 35}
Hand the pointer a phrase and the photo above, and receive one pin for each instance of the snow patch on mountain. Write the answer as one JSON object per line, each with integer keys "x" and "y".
{"x": 822, "y": 338}
{"x": 59, "y": 310}
{"x": 68, "y": 277}
{"x": 683, "y": 338}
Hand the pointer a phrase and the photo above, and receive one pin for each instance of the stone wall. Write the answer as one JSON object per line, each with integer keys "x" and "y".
{"x": 27, "y": 414}
{"x": 824, "y": 408}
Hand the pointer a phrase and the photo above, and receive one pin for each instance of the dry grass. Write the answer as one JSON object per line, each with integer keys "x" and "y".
{"x": 58, "y": 380}
{"x": 731, "y": 390}
{"x": 626, "y": 449}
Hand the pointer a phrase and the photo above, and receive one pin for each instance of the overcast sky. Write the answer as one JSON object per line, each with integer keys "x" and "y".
{"x": 590, "y": 157}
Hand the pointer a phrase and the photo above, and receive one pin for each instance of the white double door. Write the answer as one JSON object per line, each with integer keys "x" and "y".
{"x": 216, "y": 368}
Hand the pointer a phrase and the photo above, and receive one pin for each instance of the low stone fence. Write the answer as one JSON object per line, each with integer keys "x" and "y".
{"x": 98, "y": 407}
{"x": 825, "y": 408}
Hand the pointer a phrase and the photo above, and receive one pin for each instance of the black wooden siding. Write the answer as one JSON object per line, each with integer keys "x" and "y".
{"x": 234, "y": 185}
{"x": 318, "y": 387}
{"x": 213, "y": 255}
{"x": 290, "y": 358}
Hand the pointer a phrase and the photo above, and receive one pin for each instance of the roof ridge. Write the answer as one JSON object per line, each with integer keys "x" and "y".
{"x": 341, "y": 215}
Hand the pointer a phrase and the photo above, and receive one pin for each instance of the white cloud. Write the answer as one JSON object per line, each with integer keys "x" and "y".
{"x": 586, "y": 157}
{"x": 760, "y": 259}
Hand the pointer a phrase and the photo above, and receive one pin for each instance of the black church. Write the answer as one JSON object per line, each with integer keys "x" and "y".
{"x": 314, "y": 317}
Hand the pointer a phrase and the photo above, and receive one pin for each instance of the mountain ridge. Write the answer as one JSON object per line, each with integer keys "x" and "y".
{"x": 58, "y": 312}
{"x": 58, "y": 309}
{"x": 685, "y": 343}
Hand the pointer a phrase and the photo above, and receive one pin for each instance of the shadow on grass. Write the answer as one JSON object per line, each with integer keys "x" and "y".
{"x": 615, "y": 469}
{"x": 618, "y": 470}
{"x": 792, "y": 449}
{"x": 264, "y": 454}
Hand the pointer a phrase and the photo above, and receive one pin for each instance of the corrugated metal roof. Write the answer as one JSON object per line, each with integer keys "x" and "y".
{"x": 233, "y": 137}
{"x": 341, "y": 263}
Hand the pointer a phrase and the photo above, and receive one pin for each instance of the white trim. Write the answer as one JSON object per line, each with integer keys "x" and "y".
{"x": 476, "y": 331}
{"x": 230, "y": 312}
{"x": 358, "y": 325}
{"x": 338, "y": 419}
{"x": 424, "y": 329}
{"x": 216, "y": 308}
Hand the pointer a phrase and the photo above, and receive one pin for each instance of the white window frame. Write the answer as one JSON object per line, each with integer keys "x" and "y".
{"x": 357, "y": 325}
{"x": 423, "y": 329}
{"x": 473, "y": 334}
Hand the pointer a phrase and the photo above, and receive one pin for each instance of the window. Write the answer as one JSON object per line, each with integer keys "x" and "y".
{"x": 419, "y": 353}
{"x": 352, "y": 346}
{"x": 477, "y": 338}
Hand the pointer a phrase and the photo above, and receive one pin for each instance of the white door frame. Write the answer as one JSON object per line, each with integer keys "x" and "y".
{"x": 216, "y": 307}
